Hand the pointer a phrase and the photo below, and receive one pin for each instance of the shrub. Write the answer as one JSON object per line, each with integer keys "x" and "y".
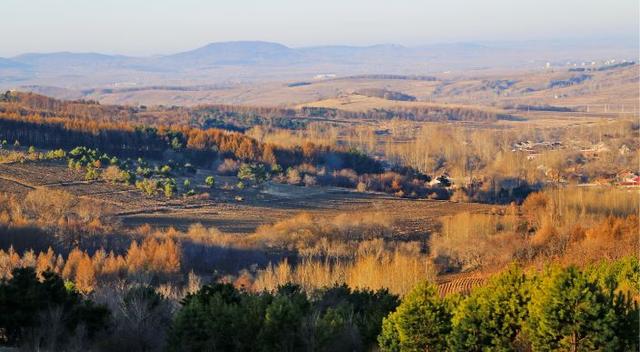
{"x": 536, "y": 208}
{"x": 46, "y": 308}
{"x": 218, "y": 317}
{"x": 366, "y": 307}
{"x": 276, "y": 169}
{"x": 252, "y": 172}
{"x": 48, "y": 206}
{"x": 472, "y": 240}
{"x": 55, "y": 154}
{"x": 92, "y": 173}
{"x": 210, "y": 181}
{"x": 169, "y": 187}
{"x": 229, "y": 167}
{"x": 570, "y": 312}
{"x": 421, "y": 322}
{"x": 113, "y": 174}
{"x": 460, "y": 196}
{"x": 293, "y": 177}
{"x": 140, "y": 319}
{"x": 309, "y": 180}
{"x": 491, "y": 317}
{"x": 148, "y": 187}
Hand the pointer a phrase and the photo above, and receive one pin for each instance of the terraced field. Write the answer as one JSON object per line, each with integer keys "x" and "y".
{"x": 460, "y": 283}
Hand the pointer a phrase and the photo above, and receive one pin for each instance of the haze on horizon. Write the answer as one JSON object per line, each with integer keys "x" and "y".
{"x": 136, "y": 27}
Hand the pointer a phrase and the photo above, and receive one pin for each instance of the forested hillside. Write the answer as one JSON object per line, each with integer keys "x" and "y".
{"x": 102, "y": 226}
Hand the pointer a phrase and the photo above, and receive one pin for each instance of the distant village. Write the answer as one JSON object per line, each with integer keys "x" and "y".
{"x": 624, "y": 178}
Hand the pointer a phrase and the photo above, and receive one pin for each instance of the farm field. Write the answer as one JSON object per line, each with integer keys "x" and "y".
{"x": 413, "y": 219}
{"x": 324, "y": 212}
{"x": 489, "y": 88}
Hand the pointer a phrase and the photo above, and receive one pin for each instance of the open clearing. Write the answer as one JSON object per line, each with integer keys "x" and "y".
{"x": 266, "y": 204}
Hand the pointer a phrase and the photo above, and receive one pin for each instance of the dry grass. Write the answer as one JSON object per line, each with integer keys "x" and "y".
{"x": 374, "y": 267}
{"x": 471, "y": 241}
{"x": 362, "y": 103}
{"x": 582, "y": 204}
{"x": 313, "y": 236}
{"x": 607, "y": 87}
{"x": 566, "y": 207}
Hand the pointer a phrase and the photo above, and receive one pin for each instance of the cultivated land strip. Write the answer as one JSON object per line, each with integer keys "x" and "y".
{"x": 266, "y": 204}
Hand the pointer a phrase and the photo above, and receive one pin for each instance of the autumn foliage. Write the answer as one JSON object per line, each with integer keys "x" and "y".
{"x": 151, "y": 257}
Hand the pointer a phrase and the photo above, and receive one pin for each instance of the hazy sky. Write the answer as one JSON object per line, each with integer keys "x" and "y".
{"x": 137, "y": 27}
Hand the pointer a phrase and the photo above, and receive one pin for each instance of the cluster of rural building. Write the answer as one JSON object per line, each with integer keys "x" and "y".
{"x": 625, "y": 178}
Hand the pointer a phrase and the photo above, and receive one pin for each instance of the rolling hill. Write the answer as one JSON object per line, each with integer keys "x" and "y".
{"x": 252, "y": 61}
{"x": 235, "y": 53}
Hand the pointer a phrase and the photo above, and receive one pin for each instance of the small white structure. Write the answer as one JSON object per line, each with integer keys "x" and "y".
{"x": 324, "y": 76}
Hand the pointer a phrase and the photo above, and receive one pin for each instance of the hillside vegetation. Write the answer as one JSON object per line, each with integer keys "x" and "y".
{"x": 406, "y": 227}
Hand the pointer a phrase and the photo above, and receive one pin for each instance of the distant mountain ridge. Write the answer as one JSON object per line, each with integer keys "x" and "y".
{"x": 7, "y": 63}
{"x": 262, "y": 52}
{"x": 236, "y": 53}
{"x": 255, "y": 60}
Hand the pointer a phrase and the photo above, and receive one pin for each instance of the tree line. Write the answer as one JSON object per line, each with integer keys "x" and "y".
{"x": 126, "y": 139}
{"x": 232, "y": 116}
{"x": 557, "y": 308}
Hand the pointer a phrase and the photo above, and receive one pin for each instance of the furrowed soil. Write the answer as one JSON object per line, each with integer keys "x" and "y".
{"x": 229, "y": 209}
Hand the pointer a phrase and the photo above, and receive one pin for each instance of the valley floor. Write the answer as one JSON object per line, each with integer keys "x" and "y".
{"x": 232, "y": 210}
